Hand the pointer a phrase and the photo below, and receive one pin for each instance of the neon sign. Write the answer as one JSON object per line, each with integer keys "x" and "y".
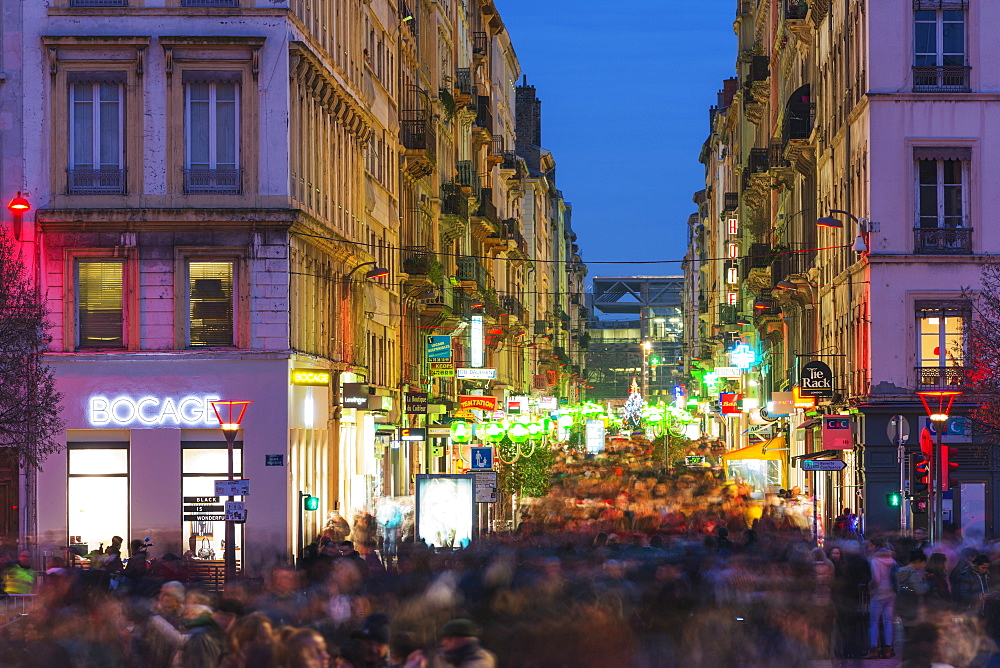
{"x": 148, "y": 411}
{"x": 742, "y": 356}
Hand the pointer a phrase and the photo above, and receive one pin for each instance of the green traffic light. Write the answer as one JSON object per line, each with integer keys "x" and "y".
{"x": 311, "y": 502}
{"x": 894, "y": 499}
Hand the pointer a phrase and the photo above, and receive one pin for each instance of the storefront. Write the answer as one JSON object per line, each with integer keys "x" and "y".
{"x": 144, "y": 449}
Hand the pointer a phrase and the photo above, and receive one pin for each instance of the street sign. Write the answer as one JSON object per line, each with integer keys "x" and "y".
{"x": 232, "y": 487}
{"x": 890, "y": 429}
{"x": 823, "y": 465}
{"x": 236, "y": 511}
{"x": 482, "y": 459}
{"x": 204, "y": 518}
{"x": 486, "y": 486}
{"x": 274, "y": 460}
{"x": 476, "y": 374}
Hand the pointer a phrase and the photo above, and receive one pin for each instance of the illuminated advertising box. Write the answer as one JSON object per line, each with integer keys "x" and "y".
{"x": 445, "y": 509}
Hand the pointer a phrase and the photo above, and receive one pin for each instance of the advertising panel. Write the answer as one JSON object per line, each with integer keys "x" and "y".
{"x": 445, "y": 509}
{"x": 438, "y": 347}
{"x": 837, "y": 432}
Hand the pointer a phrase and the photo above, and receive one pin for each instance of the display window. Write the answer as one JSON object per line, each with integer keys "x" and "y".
{"x": 202, "y": 463}
{"x": 98, "y": 494}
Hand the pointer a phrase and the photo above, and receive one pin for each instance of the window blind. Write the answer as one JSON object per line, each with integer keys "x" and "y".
{"x": 100, "y": 304}
{"x": 211, "y": 303}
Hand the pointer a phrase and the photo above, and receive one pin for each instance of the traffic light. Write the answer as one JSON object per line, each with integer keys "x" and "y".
{"x": 946, "y": 466}
{"x": 919, "y": 506}
{"x": 922, "y": 473}
{"x": 310, "y": 502}
{"x": 894, "y": 499}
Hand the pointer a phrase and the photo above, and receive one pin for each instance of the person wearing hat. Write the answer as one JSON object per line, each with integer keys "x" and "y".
{"x": 374, "y": 637}
{"x": 459, "y": 646}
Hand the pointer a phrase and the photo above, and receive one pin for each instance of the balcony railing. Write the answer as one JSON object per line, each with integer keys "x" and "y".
{"x": 731, "y": 201}
{"x": 944, "y": 377}
{"x": 95, "y": 181}
{"x": 463, "y": 81}
{"x": 487, "y": 209}
{"x": 480, "y": 43}
{"x": 943, "y": 240}
{"x": 467, "y": 176}
{"x": 760, "y": 68}
{"x": 497, "y": 146}
{"x": 795, "y": 9}
{"x": 418, "y": 134}
{"x": 948, "y": 78}
{"x": 471, "y": 270}
{"x": 509, "y": 160}
{"x": 210, "y": 3}
{"x": 453, "y": 201}
{"x": 419, "y": 263}
{"x": 799, "y": 120}
{"x": 484, "y": 115}
{"x": 98, "y": 3}
{"x": 510, "y": 230}
{"x": 214, "y": 181}
{"x": 513, "y": 307}
{"x": 759, "y": 160}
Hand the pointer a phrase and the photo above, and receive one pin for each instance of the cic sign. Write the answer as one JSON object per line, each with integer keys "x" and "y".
{"x": 193, "y": 410}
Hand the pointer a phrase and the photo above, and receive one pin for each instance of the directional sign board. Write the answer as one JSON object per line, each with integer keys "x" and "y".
{"x": 232, "y": 487}
{"x": 482, "y": 459}
{"x": 823, "y": 464}
{"x": 236, "y": 511}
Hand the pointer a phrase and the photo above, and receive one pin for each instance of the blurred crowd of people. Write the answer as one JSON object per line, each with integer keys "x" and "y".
{"x": 622, "y": 564}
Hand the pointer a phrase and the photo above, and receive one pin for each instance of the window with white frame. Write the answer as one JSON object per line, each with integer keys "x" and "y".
{"x": 939, "y": 36}
{"x": 212, "y": 132}
{"x": 942, "y": 178}
{"x": 96, "y": 133}
{"x": 97, "y": 492}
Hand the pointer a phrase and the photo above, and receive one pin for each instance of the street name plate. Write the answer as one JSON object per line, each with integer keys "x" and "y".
{"x": 204, "y": 518}
{"x": 823, "y": 464}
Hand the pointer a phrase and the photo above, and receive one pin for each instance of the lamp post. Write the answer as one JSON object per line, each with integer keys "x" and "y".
{"x": 938, "y": 405}
{"x": 865, "y": 227}
{"x": 230, "y": 415}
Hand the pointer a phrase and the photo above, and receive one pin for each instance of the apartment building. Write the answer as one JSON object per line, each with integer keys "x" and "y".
{"x": 273, "y": 202}
{"x": 846, "y": 173}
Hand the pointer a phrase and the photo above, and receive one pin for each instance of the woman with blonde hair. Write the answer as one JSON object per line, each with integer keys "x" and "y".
{"x": 250, "y": 643}
{"x": 305, "y": 648}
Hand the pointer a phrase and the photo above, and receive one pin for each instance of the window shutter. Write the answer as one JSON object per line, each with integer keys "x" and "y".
{"x": 119, "y": 77}
{"x": 942, "y": 153}
{"x": 211, "y": 76}
{"x": 940, "y": 4}
{"x": 99, "y": 287}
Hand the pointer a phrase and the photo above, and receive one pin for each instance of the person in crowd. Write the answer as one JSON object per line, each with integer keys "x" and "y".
{"x": 883, "y": 600}
{"x": 938, "y": 595}
{"x": 305, "y": 648}
{"x": 19, "y": 578}
{"x": 911, "y": 588}
{"x": 972, "y": 584}
{"x": 250, "y": 643}
{"x": 460, "y": 648}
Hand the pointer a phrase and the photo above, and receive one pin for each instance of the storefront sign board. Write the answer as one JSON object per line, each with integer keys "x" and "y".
{"x": 442, "y": 369}
{"x": 816, "y": 380}
{"x": 193, "y": 410}
{"x": 416, "y": 403}
{"x": 837, "y": 432}
{"x": 311, "y": 377}
{"x": 470, "y": 402}
{"x": 438, "y": 347}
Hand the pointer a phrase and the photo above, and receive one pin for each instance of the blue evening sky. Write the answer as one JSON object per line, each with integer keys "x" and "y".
{"x": 625, "y": 87}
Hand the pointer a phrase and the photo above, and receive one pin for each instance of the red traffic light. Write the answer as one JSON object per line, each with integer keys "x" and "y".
{"x": 19, "y": 204}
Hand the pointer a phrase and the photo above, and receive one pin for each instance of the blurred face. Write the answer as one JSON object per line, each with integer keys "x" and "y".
{"x": 314, "y": 654}
{"x": 450, "y": 643}
{"x": 835, "y": 554}
{"x": 981, "y": 568}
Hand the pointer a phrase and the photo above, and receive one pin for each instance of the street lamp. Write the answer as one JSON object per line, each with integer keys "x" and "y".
{"x": 938, "y": 405}
{"x": 375, "y": 271}
{"x": 17, "y": 207}
{"x": 230, "y": 415}
{"x": 860, "y": 244}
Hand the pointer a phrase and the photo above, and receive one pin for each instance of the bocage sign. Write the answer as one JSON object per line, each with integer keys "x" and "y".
{"x": 816, "y": 380}
{"x": 193, "y": 410}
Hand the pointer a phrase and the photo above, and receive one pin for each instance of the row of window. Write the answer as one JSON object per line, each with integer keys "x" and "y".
{"x": 97, "y": 137}
{"x": 209, "y": 299}
{"x": 125, "y": 3}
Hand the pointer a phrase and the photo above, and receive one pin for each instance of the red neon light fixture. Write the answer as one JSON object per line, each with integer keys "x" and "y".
{"x": 19, "y": 204}
{"x": 938, "y": 403}
{"x": 233, "y": 411}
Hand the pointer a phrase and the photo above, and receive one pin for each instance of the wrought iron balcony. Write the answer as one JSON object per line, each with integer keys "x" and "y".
{"x": 759, "y": 160}
{"x": 944, "y": 79}
{"x": 95, "y": 181}
{"x": 210, "y": 3}
{"x": 513, "y": 308}
{"x": 487, "y": 209}
{"x": 511, "y": 230}
{"x": 467, "y": 176}
{"x": 214, "y": 181}
{"x": 799, "y": 120}
{"x": 417, "y": 134}
{"x": 941, "y": 377}
{"x": 463, "y": 81}
{"x": 509, "y": 160}
{"x": 454, "y": 202}
{"x": 419, "y": 263}
{"x": 943, "y": 240}
{"x": 731, "y": 201}
{"x": 480, "y": 43}
{"x": 796, "y": 10}
{"x": 471, "y": 272}
{"x": 484, "y": 115}
{"x": 497, "y": 146}
{"x": 760, "y": 68}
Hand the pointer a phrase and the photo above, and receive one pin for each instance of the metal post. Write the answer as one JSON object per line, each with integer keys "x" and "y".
{"x": 229, "y": 554}
{"x": 901, "y": 453}
{"x": 300, "y": 543}
{"x": 815, "y": 495}
{"x": 938, "y": 486}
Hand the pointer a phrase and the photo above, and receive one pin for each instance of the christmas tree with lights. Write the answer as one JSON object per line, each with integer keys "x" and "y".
{"x": 632, "y": 411}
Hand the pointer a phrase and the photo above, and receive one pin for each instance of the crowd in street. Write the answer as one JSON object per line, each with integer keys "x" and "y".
{"x": 622, "y": 564}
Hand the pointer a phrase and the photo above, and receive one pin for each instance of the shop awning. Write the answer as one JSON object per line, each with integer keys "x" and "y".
{"x": 771, "y": 450}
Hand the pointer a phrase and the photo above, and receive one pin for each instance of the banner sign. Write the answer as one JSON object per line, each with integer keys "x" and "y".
{"x": 730, "y": 402}
{"x": 816, "y": 380}
{"x": 438, "y": 347}
{"x": 476, "y": 374}
{"x": 412, "y": 434}
{"x": 416, "y": 403}
{"x": 476, "y": 403}
{"x": 782, "y": 404}
{"x": 837, "y": 432}
{"x": 355, "y": 395}
{"x": 728, "y": 372}
{"x": 312, "y": 377}
{"x": 442, "y": 369}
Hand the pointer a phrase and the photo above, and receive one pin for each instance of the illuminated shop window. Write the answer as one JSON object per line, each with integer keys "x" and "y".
{"x": 202, "y": 463}
{"x": 99, "y": 304}
{"x": 97, "y": 498}
{"x": 210, "y": 300}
